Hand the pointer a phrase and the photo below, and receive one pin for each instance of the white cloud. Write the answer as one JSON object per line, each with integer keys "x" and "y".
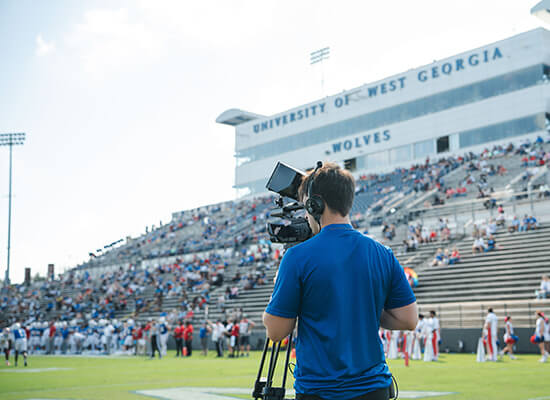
{"x": 109, "y": 40}
{"x": 43, "y": 47}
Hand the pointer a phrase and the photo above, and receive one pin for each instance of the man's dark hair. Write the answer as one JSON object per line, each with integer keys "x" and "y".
{"x": 334, "y": 185}
{"x": 420, "y": 316}
{"x": 490, "y": 310}
{"x": 433, "y": 313}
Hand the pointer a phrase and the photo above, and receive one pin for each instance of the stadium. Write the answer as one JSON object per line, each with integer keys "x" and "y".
{"x": 482, "y": 97}
{"x": 450, "y": 164}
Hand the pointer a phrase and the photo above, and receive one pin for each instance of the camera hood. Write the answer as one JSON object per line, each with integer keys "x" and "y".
{"x": 285, "y": 180}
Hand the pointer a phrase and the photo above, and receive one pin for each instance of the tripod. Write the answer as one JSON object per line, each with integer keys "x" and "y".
{"x": 263, "y": 387}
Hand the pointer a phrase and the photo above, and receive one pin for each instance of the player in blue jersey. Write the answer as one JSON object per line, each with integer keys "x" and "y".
{"x": 98, "y": 335}
{"x": 20, "y": 342}
{"x": 58, "y": 338}
{"x": 127, "y": 334}
{"x": 163, "y": 339}
{"x": 65, "y": 336}
{"x": 34, "y": 340}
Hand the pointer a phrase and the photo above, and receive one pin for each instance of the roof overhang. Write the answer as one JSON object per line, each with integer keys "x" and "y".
{"x": 235, "y": 117}
{"x": 542, "y": 11}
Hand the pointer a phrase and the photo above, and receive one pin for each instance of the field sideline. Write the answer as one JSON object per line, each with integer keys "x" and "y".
{"x": 121, "y": 377}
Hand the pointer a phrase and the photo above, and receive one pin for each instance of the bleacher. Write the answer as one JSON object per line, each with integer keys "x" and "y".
{"x": 512, "y": 272}
{"x": 504, "y": 276}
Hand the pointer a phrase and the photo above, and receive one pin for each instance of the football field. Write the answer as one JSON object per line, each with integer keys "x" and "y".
{"x": 454, "y": 377}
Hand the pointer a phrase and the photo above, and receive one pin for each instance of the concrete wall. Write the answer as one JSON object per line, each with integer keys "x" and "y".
{"x": 470, "y": 337}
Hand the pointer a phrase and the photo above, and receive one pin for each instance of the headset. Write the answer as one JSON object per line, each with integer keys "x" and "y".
{"x": 314, "y": 203}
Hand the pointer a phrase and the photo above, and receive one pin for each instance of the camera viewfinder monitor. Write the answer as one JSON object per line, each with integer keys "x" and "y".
{"x": 285, "y": 180}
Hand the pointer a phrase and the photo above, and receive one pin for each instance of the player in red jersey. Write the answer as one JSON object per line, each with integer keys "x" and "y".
{"x": 234, "y": 340}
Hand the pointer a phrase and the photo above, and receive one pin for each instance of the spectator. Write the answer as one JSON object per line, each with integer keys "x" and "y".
{"x": 544, "y": 190}
{"x": 525, "y": 224}
{"x": 533, "y": 223}
{"x": 501, "y": 219}
{"x": 446, "y": 233}
{"x": 455, "y": 256}
{"x": 439, "y": 258}
{"x": 479, "y": 245}
{"x": 514, "y": 225}
{"x": 491, "y": 228}
{"x": 221, "y": 302}
{"x": 388, "y": 231}
{"x": 544, "y": 291}
{"x": 410, "y": 244}
{"x": 491, "y": 244}
{"x": 446, "y": 257}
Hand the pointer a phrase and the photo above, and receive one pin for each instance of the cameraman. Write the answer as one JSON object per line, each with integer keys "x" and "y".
{"x": 342, "y": 286}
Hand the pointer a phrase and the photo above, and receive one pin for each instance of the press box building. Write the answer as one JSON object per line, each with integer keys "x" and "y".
{"x": 491, "y": 95}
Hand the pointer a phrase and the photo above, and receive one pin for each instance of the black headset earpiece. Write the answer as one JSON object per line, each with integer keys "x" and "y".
{"x": 314, "y": 203}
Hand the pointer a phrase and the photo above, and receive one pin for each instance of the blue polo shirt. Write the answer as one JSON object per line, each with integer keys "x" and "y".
{"x": 337, "y": 283}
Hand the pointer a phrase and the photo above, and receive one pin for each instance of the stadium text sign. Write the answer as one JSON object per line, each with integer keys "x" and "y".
{"x": 361, "y": 141}
{"x": 423, "y": 75}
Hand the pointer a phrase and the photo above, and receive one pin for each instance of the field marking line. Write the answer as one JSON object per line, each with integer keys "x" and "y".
{"x": 31, "y": 370}
{"x": 205, "y": 393}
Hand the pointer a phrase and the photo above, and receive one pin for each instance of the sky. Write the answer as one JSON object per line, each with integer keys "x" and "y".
{"x": 118, "y": 99}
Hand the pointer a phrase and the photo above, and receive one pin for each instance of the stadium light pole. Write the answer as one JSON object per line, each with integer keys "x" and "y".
{"x": 318, "y": 56}
{"x": 10, "y": 139}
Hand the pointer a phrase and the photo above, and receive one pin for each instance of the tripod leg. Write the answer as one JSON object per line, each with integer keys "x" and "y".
{"x": 262, "y": 362}
{"x": 259, "y": 385}
{"x": 287, "y": 359}
{"x": 273, "y": 363}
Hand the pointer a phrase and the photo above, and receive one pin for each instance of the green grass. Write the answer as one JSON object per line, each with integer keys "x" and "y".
{"x": 118, "y": 378}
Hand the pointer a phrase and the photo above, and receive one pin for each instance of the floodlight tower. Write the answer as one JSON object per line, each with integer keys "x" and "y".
{"x": 318, "y": 56}
{"x": 542, "y": 11}
{"x": 10, "y": 139}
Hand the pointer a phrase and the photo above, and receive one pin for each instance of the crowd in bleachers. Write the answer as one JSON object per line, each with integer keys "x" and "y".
{"x": 483, "y": 237}
{"x": 418, "y": 234}
{"x": 446, "y": 257}
{"x": 77, "y": 294}
{"x": 482, "y": 168}
{"x": 226, "y": 225}
{"x": 240, "y": 226}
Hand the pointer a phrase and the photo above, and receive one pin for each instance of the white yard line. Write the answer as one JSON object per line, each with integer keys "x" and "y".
{"x": 197, "y": 393}
{"x": 31, "y": 370}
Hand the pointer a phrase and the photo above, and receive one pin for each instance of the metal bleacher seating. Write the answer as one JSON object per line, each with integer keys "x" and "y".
{"x": 505, "y": 278}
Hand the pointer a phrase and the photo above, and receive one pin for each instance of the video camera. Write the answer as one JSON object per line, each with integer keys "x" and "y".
{"x": 288, "y": 224}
